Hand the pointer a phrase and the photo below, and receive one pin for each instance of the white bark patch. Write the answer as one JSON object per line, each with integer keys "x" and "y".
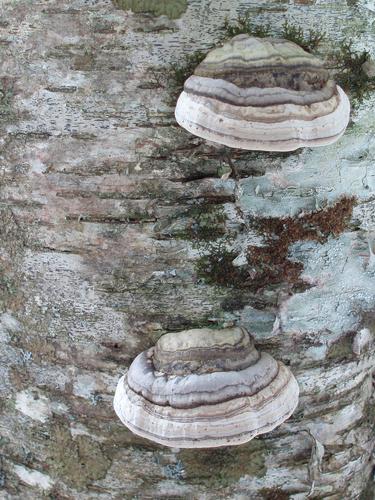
{"x": 327, "y": 432}
{"x": 84, "y": 386}
{"x": 369, "y": 4}
{"x": 318, "y": 352}
{"x": 362, "y": 340}
{"x": 34, "y": 405}
{"x": 171, "y": 488}
{"x": 8, "y": 324}
{"x": 343, "y": 288}
{"x": 33, "y": 477}
{"x": 307, "y": 181}
{"x": 81, "y": 430}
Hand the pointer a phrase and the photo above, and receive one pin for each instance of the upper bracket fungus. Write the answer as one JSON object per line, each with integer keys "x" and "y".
{"x": 263, "y": 94}
{"x": 205, "y": 388}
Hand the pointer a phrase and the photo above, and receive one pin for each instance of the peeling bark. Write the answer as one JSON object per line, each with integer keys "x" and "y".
{"x": 109, "y": 215}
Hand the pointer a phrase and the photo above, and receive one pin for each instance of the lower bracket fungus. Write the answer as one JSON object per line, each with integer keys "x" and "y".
{"x": 205, "y": 388}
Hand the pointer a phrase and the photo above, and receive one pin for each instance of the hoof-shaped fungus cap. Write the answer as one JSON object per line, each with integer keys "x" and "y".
{"x": 263, "y": 94}
{"x": 205, "y": 388}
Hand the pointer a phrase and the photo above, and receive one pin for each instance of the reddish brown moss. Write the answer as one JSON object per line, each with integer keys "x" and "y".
{"x": 314, "y": 226}
{"x": 273, "y": 494}
{"x": 270, "y": 263}
{"x": 272, "y": 266}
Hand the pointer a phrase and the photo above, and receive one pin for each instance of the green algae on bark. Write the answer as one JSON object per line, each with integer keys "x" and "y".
{"x": 225, "y": 466}
{"x": 170, "y": 8}
{"x": 79, "y": 461}
{"x": 6, "y": 98}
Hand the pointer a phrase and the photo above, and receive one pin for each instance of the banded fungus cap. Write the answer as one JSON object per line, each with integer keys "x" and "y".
{"x": 263, "y": 94}
{"x": 205, "y": 388}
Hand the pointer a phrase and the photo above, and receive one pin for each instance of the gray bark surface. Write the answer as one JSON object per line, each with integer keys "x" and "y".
{"x": 101, "y": 194}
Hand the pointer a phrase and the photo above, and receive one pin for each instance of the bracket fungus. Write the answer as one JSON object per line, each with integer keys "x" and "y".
{"x": 263, "y": 94}
{"x": 205, "y": 388}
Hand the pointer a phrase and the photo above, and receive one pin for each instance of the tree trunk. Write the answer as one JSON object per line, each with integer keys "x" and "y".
{"x": 118, "y": 226}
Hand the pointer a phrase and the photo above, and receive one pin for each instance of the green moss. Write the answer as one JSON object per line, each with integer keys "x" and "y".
{"x": 204, "y": 226}
{"x": 205, "y": 222}
{"x": 309, "y": 42}
{"x": 244, "y": 25}
{"x": 224, "y": 466}
{"x": 217, "y": 268}
{"x": 180, "y": 71}
{"x": 170, "y": 8}
{"x": 349, "y": 72}
{"x": 76, "y": 462}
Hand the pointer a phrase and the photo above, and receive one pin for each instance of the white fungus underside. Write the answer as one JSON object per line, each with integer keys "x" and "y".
{"x": 228, "y": 423}
{"x": 195, "y": 115}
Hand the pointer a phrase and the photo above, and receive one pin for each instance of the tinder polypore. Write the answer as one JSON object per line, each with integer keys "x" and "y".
{"x": 205, "y": 388}
{"x": 263, "y": 94}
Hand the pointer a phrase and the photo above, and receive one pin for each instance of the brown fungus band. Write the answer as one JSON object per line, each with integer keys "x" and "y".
{"x": 263, "y": 94}
{"x": 205, "y": 388}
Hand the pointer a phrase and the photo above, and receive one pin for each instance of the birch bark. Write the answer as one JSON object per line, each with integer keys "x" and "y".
{"x": 112, "y": 219}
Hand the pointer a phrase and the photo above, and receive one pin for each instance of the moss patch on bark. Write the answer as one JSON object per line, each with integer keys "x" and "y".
{"x": 350, "y": 73}
{"x": 269, "y": 264}
{"x": 245, "y": 25}
{"x": 200, "y": 222}
{"x": 217, "y": 267}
